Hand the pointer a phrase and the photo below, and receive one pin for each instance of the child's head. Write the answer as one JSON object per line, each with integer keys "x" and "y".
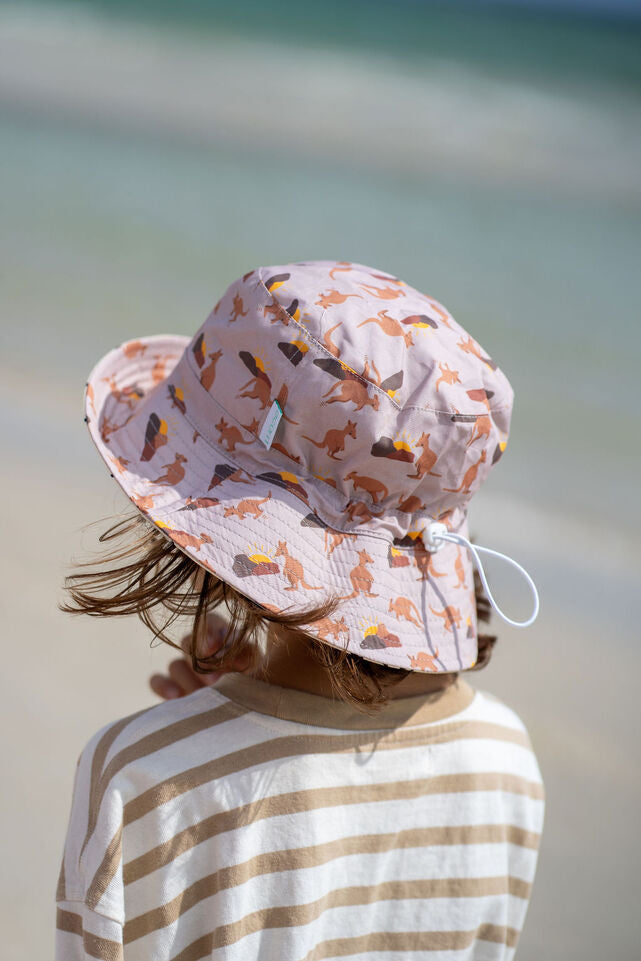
{"x": 310, "y": 454}
{"x": 149, "y": 575}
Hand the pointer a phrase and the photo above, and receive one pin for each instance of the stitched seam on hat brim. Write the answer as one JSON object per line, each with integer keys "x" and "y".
{"x": 310, "y": 509}
{"x": 365, "y": 380}
{"x": 313, "y": 509}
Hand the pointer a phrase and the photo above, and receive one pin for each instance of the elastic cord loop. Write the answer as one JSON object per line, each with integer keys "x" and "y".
{"x": 437, "y": 534}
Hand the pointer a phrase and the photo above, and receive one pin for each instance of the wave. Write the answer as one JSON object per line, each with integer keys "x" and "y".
{"x": 364, "y": 110}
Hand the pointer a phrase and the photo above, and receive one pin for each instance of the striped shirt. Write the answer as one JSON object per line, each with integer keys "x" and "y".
{"x": 248, "y": 821}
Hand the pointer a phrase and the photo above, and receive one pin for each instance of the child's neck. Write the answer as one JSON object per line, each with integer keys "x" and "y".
{"x": 289, "y": 664}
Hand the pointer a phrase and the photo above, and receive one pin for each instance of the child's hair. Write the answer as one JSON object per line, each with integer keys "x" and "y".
{"x": 162, "y": 575}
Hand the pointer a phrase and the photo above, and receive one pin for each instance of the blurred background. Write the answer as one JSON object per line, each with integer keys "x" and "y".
{"x": 489, "y": 155}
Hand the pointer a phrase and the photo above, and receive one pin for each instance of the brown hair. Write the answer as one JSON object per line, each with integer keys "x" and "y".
{"x": 161, "y": 575}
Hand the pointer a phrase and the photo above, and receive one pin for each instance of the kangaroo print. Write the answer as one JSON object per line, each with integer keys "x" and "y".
{"x": 391, "y": 415}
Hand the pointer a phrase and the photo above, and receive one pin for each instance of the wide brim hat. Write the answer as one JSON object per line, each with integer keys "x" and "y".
{"x": 229, "y": 444}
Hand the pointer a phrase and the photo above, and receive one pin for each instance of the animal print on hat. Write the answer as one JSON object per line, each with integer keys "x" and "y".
{"x": 392, "y": 415}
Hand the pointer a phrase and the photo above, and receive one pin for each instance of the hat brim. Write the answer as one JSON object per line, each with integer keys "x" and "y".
{"x": 400, "y": 606}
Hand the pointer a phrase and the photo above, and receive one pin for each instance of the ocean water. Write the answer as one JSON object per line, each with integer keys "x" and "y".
{"x": 146, "y": 164}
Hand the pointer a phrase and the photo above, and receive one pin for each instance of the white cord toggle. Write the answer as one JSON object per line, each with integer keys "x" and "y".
{"x": 435, "y": 537}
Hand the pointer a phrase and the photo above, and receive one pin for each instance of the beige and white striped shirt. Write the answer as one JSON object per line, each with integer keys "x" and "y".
{"x": 248, "y": 821}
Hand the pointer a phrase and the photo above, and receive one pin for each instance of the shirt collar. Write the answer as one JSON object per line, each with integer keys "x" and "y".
{"x": 293, "y": 705}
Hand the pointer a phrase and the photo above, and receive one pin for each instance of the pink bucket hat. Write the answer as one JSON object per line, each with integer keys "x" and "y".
{"x": 322, "y": 432}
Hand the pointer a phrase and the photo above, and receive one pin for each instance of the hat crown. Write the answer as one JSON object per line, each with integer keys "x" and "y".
{"x": 390, "y": 408}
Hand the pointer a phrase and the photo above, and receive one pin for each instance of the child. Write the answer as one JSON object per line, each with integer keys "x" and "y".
{"x": 306, "y": 461}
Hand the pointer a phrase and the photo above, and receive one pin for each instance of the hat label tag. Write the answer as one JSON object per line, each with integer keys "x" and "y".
{"x": 270, "y": 424}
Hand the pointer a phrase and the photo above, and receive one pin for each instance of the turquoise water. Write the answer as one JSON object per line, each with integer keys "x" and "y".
{"x": 146, "y": 166}
{"x": 580, "y": 41}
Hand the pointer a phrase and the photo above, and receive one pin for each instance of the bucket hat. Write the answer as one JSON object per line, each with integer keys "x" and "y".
{"x": 321, "y": 433}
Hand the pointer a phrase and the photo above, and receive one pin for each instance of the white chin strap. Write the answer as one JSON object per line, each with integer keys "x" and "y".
{"x": 435, "y": 536}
